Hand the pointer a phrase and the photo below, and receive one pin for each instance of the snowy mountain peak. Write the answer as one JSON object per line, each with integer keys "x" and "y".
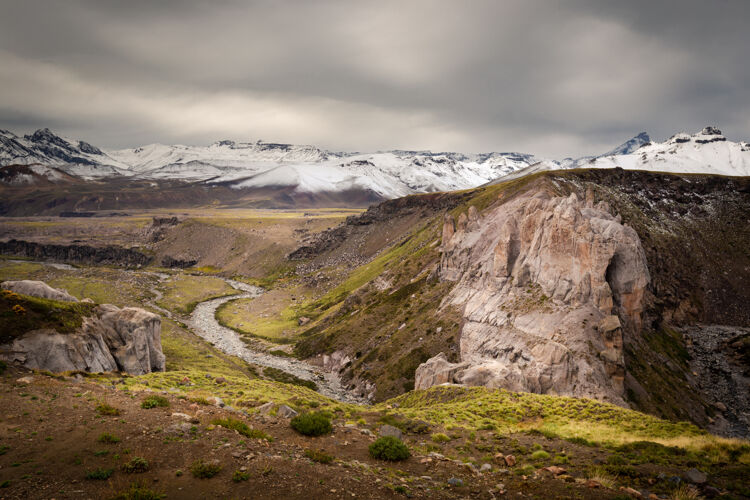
{"x": 631, "y": 145}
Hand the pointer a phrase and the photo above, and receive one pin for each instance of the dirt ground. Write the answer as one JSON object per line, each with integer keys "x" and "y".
{"x": 49, "y": 430}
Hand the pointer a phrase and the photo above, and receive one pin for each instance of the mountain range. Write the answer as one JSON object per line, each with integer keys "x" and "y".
{"x": 311, "y": 170}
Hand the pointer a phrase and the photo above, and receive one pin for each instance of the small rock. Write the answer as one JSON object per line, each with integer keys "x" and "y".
{"x": 593, "y": 484}
{"x": 695, "y": 476}
{"x": 436, "y": 456}
{"x": 510, "y": 460}
{"x": 675, "y": 480}
{"x": 303, "y": 321}
{"x": 266, "y": 408}
{"x": 181, "y": 415}
{"x": 631, "y": 492}
{"x": 219, "y": 402}
{"x": 286, "y": 412}
{"x": 389, "y": 430}
{"x": 503, "y": 471}
{"x": 485, "y": 468}
{"x": 720, "y": 406}
{"x": 220, "y": 380}
{"x": 25, "y": 380}
{"x": 499, "y": 457}
{"x": 555, "y": 470}
{"x": 454, "y": 481}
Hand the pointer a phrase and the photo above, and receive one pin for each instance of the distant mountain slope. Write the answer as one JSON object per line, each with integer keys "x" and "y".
{"x": 308, "y": 170}
{"x": 707, "y": 152}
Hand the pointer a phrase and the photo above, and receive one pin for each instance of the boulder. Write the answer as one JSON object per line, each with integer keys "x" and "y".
{"x": 112, "y": 339}
{"x": 695, "y": 476}
{"x": 286, "y": 412}
{"x": 548, "y": 286}
{"x": 389, "y": 430}
{"x": 37, "y": 289}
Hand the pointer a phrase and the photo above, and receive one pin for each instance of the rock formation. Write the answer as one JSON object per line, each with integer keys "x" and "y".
{"x": 547, "y": 284}
{"x": 37, "y": 289}
{"x": 113, "y": 339}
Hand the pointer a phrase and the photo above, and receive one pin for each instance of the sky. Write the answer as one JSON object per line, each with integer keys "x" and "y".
{"x": 556, "y": 78}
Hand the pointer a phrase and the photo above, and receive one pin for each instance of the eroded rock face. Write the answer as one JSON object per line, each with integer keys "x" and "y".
{"x": 113, "y": 339}
{"x": 37, "y": 289}
{"x": 547, "y": 285}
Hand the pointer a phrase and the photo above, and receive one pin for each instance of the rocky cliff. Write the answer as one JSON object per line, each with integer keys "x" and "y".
{"x": 547, "y": 284}
{"x": 82, "y": 254}
{"x": 110, "y": 339}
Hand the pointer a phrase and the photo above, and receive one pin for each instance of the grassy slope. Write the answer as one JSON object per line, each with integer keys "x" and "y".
{"x": 183, "y": 292}
{"x": 386, "y": 315}
{"x": 20, "y": 314}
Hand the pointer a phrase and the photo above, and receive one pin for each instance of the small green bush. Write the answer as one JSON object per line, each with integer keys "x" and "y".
{"x": 312, "y": 424}
{"x": 319, "y": 456}
{"x": 239, "y": 476}
{"x": 99, "y": 474}
{"x": 108, "y": 438}
{"x": 4, "y": 449}
{"x": 242, "y": 428}
{"x": 539, "y": 455}
{"x": 136, "y": 465}
{"x": 138, "y": 491}
{"x": 203, "y": 470}
{"x": 154, "y": 401}
{"x": 389, "y": 448}
{"x": 3, "y": 367}
{"x": 561, "y": 459}
{"x": 440, "y": 437}
{"x": 105, "y": 409}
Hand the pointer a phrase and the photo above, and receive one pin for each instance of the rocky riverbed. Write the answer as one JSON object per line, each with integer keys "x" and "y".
{"x": 203, "y": 322}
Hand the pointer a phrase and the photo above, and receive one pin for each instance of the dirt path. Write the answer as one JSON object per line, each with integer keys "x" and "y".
{"x": 203, "y": 323}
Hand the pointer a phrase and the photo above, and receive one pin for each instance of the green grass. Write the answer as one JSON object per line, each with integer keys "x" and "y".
{"x": 242, "y": 428}
{"x": 154, "y": 402}
{"x": 183, "y": 292}
{"x": 389, "y": 448}
{"x": 203, "y": 470}
{"x": 105, "y": 409}
{"x": 21, "y": 313}
{"x": 136, "y": 465}
{"x": 567, "y": 417}
{"x": 108, "y": 438}
{"x": 240, "y": 476}
{"x": 277, "y": 328}
{"x": 288, "y": 378}
{"x": 99, "y": 474}
{"x": 312, "y": 424}
{"x": 319, "y": 456}
{"x": 138, "y": 491}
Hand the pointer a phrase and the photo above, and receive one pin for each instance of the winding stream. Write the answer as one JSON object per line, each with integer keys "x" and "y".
{"x": 203, "y": 322}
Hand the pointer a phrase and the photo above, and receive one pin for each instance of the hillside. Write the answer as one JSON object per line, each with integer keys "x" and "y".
{"x": 392, "y": 314}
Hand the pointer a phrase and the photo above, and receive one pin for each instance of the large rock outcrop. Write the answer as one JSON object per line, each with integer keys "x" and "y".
{"x": 37, "y": 289}
{"x": 112, "y": 339}
{"x": 547, "y": 284}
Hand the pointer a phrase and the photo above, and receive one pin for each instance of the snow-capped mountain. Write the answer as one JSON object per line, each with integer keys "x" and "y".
{"x": 708, "y": 151}
{"x": 385, "y": 174}
{"x": 44, "y": 147}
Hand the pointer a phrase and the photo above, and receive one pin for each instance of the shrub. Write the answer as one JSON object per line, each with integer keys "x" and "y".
{"x": 389, "y": 448}
{"x": 138, "y": 491}
{"x": 561, "y": 459}
{"x": 241, "y": 427}
{"x": 100, "y": 474}
{"x": 312, "y": 424}
{"x": 136, "y": 465}
{"x": 601, "y": 476}
{"x": 240, "y": 476}
{"x": 105, "y": 409}
{"x": 154, "y": 401}
{"x": 203, "y": 470}
{"x": 108, "y": 438}
{"x": 3, "y": 367}
{"x": 200, "y": 400}
{"x": 319, "y": 456}
{"x": 540, "y": 455}
{"x": 440, "y": 437}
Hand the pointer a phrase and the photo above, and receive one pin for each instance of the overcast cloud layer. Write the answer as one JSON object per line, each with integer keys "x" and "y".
{"x": 554, "y": 78}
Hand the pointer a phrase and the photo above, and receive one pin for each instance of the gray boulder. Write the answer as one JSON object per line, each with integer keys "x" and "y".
{"x": 286, "y": 412}
{"x": 389, "y": 430}
{"x": 37, "y": 289}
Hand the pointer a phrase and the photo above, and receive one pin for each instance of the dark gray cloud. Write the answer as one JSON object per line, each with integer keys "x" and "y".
{"x": 556, "y": 78}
